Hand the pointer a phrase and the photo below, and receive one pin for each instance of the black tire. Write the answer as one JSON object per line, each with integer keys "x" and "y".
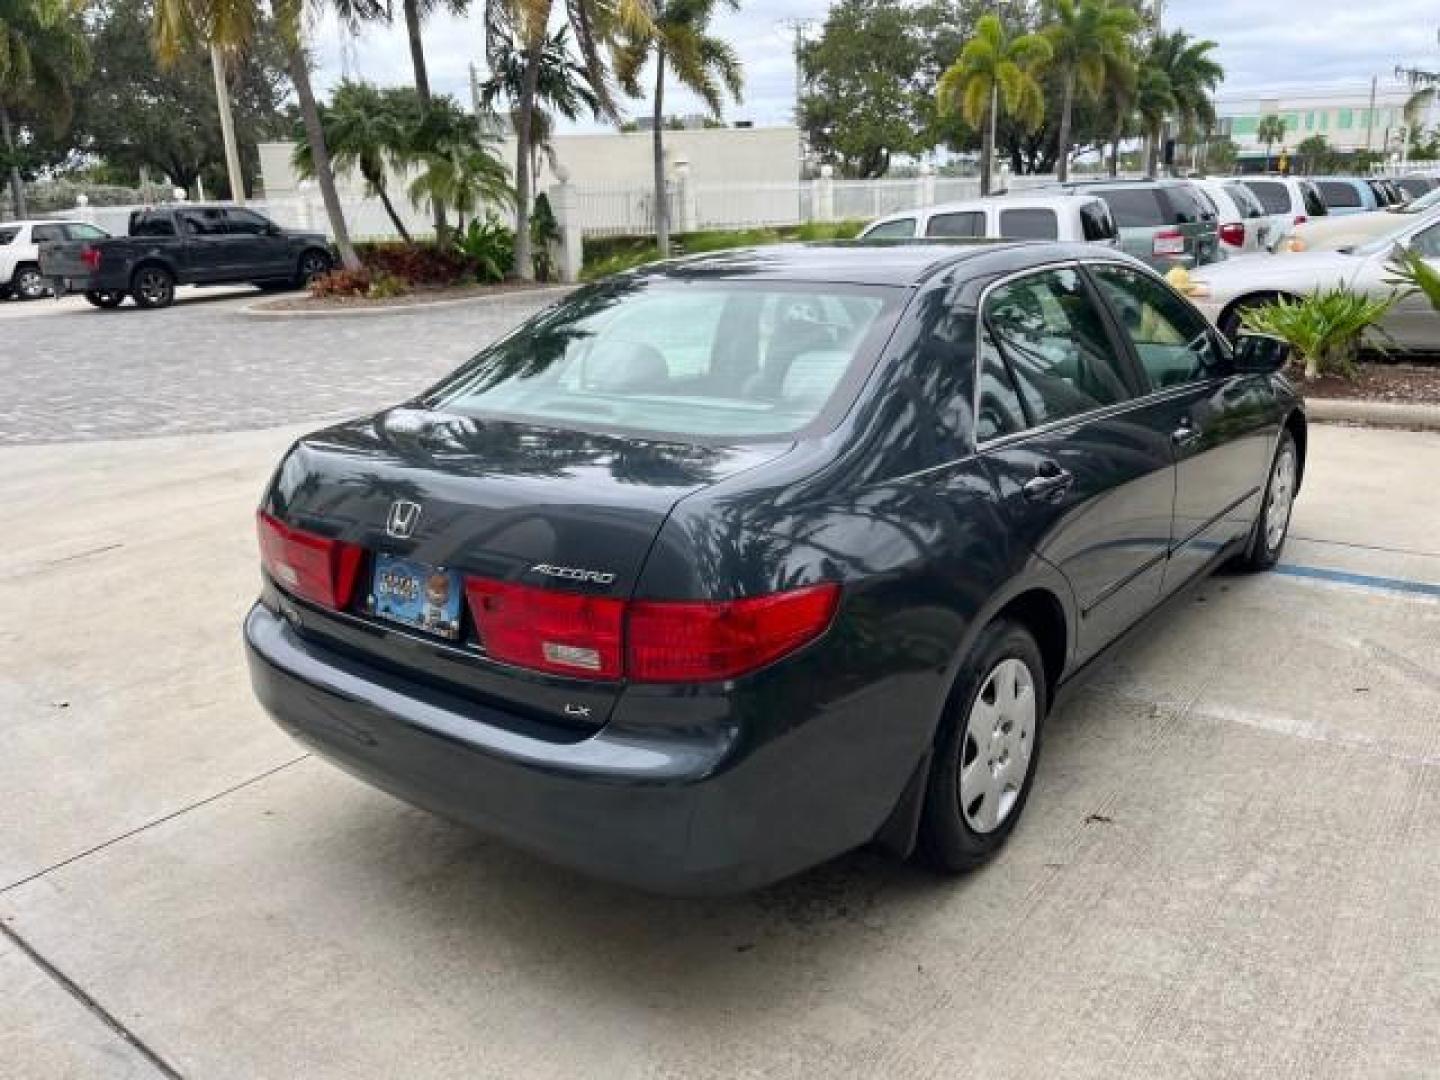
{"x": 5, "y": 292}
{"x": 153, "y": 287}
{"x": 947, "y": 841}
{"x": 27, "y": 282}
{"x": 1262, "y": 550}
{"x": 273, "y": 286}
{"x": 105, "y": 298}
{"x": 313, "y": 263}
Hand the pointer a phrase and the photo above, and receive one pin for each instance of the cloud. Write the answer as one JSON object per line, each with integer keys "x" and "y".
{"x": 1262, "y": 47}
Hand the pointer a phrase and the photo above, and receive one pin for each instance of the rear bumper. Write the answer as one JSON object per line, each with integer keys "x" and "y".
{"x": 676, "y": 809}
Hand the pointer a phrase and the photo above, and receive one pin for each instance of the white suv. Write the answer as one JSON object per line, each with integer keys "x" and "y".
{"x": 1013, "y": 217}
{"x": 20, "y": 253}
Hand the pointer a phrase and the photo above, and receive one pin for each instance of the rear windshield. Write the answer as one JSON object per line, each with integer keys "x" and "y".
{"x": 704, "y": 360}
{"x": 1273, "y": 195}
{"x": 1338, "y": 193}
{"x": 7, "y": 235}
{"x": 1029, "y": 223}
{"x": 1135, "y": 208}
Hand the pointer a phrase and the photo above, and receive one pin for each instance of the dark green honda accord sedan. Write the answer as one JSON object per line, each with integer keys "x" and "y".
{"x": 718, "y": 569}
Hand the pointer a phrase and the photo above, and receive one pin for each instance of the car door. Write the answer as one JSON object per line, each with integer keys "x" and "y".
{"x": 1089, "y": 484}
{"x": 1218, "y": 424}
{"x": 267, "y": 251}
{"x": 210, "y": 254}
{"x": 1413, "y": 322}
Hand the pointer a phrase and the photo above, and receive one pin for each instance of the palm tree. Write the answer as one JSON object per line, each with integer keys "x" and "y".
{"x": 230, "y": 26}
{"x": 1270, "y": 130}
{"x": 369, "y": 130}
{"x": 416, "y": 12}
{"x": 43, "y": 56}
{"x": 1085, "y": 36}
{"x": 994, "y": 69}
{"x": 595, "y": 23}
{"x": 563, "y": 88}
{"x": 457, "y": 166}
{"x": 1192, "y": 76}
{"x": 1154, "y": 101}
{"x": 1122, "y": 85}
{"x": 702, "y": 63}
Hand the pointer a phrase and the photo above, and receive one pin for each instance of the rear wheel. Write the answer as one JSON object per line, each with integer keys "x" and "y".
{"x": 313, "y": 264}
{"x": 985, "y": 761}
{"x": 1272, "y": 526}
{"x": 28, "y": 283}
{"x": 153, "y": 287}
{"x": 105, "y": 298}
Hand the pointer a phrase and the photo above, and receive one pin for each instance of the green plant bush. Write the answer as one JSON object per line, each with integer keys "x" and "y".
{"x": 614, "y": 254}
{"x": 418, "y": 264}
{"x": 1412, "y": 273}
{"x": 488, "y": 246}
{"x": 1325, "y": 328}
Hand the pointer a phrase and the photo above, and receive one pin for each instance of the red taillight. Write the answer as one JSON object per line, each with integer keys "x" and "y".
{"x": 670, "y": 641}
{"x": 1300, "y": 219}
{"x": 315, "y": 568}
{"x": 560, "y": 632}
{"x": 1233, "y": 234}
{"x": 645, "y": 640}
{"x": 90, "y": 256}
{"x": 1169, "y": 242}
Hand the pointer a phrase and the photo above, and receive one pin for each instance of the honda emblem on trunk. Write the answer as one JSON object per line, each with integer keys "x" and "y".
{"x": 402, "y": 519}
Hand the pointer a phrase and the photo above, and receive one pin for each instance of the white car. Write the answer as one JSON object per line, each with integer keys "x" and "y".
{"x": 20, "y": 253}
{"x": 1288, "y": 200}
{"x": 1223, "y": 291}
{"x": 1244, "y": 226}
{"x": 1332, "y": 233}
{"x": 1081, "y": 218}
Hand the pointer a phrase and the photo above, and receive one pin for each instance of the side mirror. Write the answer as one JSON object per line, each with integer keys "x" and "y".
{"x": 1260, "y": 354}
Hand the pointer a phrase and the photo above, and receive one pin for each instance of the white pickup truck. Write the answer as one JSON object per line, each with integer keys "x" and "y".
{"x": 20, "y": 253}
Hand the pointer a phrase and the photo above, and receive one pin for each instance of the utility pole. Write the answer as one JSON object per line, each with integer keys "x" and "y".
{"x": 1370, "y": 113}
{"x": 798, "y": 28}
{"x": 227, "y": 126}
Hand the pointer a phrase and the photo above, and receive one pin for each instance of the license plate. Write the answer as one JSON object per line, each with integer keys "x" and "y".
{"x": 416, "y": 594}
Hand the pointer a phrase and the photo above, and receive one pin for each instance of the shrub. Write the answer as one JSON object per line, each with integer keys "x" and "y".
{"x": 386, "y": 286}
{"x": 1413, "y": 273}
{"x": 1324, "y": 328}
{"x": 488, "y": 246}
{"x": 342, "y": 282}
{"x": 418, "y": 264}
{"x": 612, "y": 255}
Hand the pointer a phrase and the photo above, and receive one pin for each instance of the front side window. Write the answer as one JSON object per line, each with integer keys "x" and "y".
{"x": 962, "y": 223}
{"x": 899, "y": 229}
{"x": 246, "y": 223}
{"x": 8, "y": 235}
{"x": 206, "y": 222}
{"x": 1049, "y": 330}
{"x": 1338, "y": 193}
{"x": 1273, "y": 195}
{"x": 1170, "y": 338}
{"x": 709, "y": 360}
{"x": 1029, "y": 223}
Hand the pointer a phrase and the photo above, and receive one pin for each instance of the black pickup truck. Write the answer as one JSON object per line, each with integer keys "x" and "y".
{"x": 185, "y": 245}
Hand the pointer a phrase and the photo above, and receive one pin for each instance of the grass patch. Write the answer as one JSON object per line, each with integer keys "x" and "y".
{"x": 614, "y": 254}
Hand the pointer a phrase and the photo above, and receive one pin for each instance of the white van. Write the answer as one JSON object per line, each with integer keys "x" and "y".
{"x": 1012, "y": 217}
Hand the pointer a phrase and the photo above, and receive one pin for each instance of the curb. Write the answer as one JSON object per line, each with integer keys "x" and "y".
{"x": 1373, "y": 413}
{"x": 257, "y": 309}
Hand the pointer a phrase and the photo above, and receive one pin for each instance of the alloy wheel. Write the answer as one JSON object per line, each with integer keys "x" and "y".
{"x": 29, "y": 284}
{"x": 313, "y": 266}
{"x": 999, "y": 741}
{"x": 154, "y": 287}
{"x": 1282, "y": 499}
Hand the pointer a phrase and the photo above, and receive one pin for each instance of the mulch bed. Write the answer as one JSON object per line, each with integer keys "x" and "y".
{"x": 417, "y": 297}
{"x": 1404, "y": 383}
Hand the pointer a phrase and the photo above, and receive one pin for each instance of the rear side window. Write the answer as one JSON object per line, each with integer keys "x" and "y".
{"x": 899, "y": 229}
{"x": 1000, "y": 412}
{"x": 1054, "y": 340}
{"x": 1029, "y": 223}
{"x": 1314, "y": 203}
{"x": 46, "y": 234}
{"x": 1415, "y": 186}
{"x": 1095, "y": 221}
{"x": 1273, "y": 195}
{"x": 152, "y": 224}
{"x": 81, "y": 231}
{"x": 1338, "y": 193}
{"x": 1245, "y": 200}
{"x": 962, "y": 223}
{"x": 202, "y": 222}
{"x": 1136, "y": 208}
{"x": 1170, "y": 338}
{"x": 8, "y": 236}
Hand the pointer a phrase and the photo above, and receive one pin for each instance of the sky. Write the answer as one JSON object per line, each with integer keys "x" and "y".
{"x": 1264, "y": 45}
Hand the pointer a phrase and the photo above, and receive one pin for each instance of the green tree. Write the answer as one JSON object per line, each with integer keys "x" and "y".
{"x": 370, "y": 130}
{"x": 457, "y": 166}
{"x": 681, "y": 45}
{"x": 231, "y": 26}
{"x": 1087, "y": 37}
{"x": 1315, "y": 154}
{"x": 1271, "y": 130}
{"x": 43, "y": 57}
{"x": 595, "y": 23}
{"x": 995, "y": 69}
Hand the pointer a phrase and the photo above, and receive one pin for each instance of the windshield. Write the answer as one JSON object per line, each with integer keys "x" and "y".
{"x": 1428, "y": 201}
{"x": 1385, "y": 241}
{"x": 687, "y": 359}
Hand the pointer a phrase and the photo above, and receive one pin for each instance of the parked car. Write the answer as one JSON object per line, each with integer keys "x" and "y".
{"x": 1243, "y": 227}
{"x": 1332, "y": 233}
{"x": 185, "y": 245}
{"x": 1352, "y": 194}
{"x": 1165, "y": 223}
{"x": 1288, "y": 200}
{"x": 1416, "y": 184}
{"x": 20, "y": 253}
{"x": 722, "y": 567}
{"x": 1225, "y": 292}
{"x": 1074, "y": 218}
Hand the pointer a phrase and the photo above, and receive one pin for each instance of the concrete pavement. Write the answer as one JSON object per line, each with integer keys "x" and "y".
{"x": 1229, "y": 867}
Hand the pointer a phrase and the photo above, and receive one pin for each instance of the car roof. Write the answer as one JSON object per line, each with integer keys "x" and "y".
{"x": 870, "y": 262}
{"x": 42, "y": 221}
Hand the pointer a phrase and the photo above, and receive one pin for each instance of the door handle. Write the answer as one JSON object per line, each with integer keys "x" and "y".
{"x": 1048, "y": 484}
{"x": 1187, "y": 434}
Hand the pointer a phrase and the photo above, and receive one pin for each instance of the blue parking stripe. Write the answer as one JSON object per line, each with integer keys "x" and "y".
{"x": 1365, "y": 581}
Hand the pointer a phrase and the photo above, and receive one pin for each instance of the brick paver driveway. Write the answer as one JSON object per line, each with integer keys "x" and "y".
{"x": 72, "y": 373}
